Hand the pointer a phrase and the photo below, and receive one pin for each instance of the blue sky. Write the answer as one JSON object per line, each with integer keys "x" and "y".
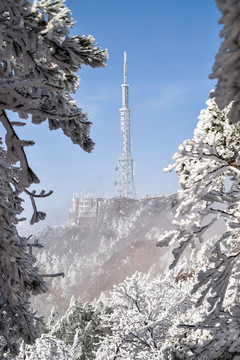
{"x": 171, "y": 47}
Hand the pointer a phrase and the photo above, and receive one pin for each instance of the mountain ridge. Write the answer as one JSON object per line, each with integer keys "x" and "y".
{"x": 98, "y": 253}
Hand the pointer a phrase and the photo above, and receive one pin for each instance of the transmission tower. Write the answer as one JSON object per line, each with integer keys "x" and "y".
{"x": 125, "y": 184}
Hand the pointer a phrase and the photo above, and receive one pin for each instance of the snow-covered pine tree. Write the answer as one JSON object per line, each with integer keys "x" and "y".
{"x": 38, "y": 64}
{"x": 81, "y": 328}
{"x": 208, "y": 167}
{"x": 74, "y": 336}
{"x": 226, "y": 66}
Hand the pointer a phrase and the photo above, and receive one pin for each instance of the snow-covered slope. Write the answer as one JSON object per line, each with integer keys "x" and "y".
{"x": 96, "y": 254}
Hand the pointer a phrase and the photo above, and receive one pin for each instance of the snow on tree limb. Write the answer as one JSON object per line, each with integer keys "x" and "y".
{"x": 38, "y": 67}
{"x": 38, "y": 64}
{"x": 19, "y": 276}
{"x": 208, "y": 167}
{"x": 226, "y": 66}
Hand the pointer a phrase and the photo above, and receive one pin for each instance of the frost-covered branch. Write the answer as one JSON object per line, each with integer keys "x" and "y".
{"x": 38, "y": 68}
{"x": 53, "y": 275}
{"x": 226, "y": 66}
{"x": 15, "y": 153}
{"x": 35, "y": 244}
{"x": 208, "y": 167}
{"x": 38, "y": 64}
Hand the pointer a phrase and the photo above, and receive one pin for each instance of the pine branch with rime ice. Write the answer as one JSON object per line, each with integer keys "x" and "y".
{"x": 38, "y": 64}
{"x": 208, "y": 167}
{"x": 38, "y": 75}
{"x": 19, "y": 277}
{"x": 225, "y": 68}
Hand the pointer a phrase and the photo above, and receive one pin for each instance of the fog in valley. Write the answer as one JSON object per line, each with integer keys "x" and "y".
{"x": 101, "y": 248}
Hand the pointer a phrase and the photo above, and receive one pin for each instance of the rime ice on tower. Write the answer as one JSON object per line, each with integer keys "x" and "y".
{"x": 125, "y": 184}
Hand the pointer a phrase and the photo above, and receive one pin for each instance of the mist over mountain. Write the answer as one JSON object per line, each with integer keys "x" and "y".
{"x": 99, "y": 252}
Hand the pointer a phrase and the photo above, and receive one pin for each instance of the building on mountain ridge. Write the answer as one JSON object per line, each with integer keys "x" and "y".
{"x": 85, "y": 207}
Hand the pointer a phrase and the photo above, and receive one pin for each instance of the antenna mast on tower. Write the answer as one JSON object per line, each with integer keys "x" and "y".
{"x": 125, "y": 184}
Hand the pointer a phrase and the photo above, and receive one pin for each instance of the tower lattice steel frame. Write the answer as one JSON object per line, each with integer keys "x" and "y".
{"x": 125, "y": 184}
